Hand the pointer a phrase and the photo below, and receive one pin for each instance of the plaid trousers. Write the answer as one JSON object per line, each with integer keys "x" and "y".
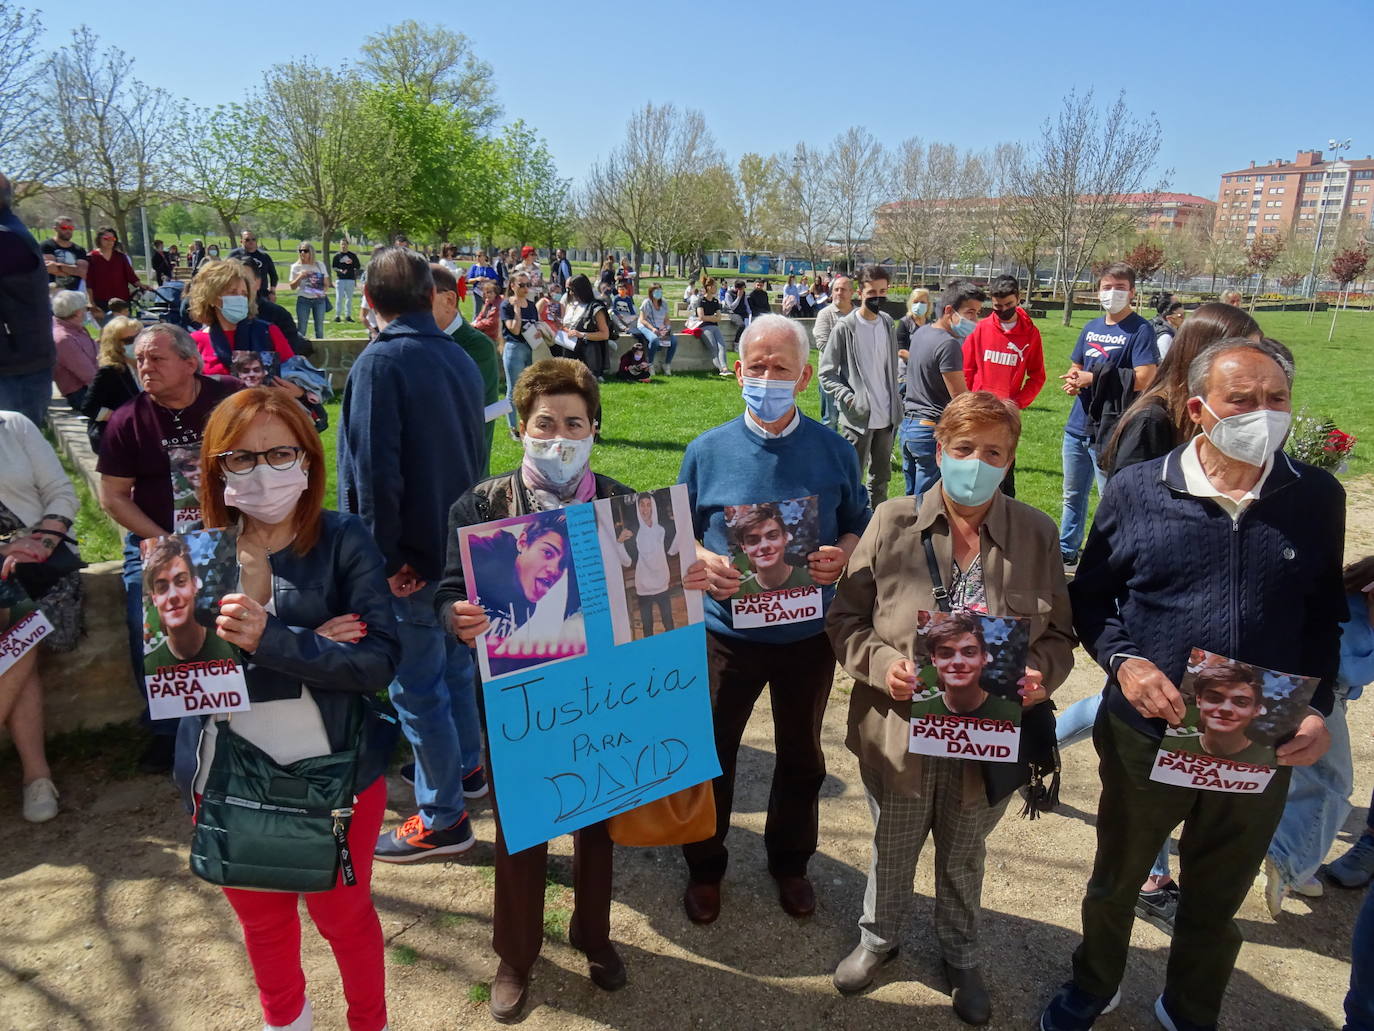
{"x": 901, "y": 824}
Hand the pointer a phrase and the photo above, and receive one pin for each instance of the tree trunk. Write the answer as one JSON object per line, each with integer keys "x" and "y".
{"x": 1334, "y": 310}
{"x": 229, "y": 230}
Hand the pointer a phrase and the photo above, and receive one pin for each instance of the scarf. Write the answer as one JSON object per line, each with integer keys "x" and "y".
{"x": 249, "y": 335}
{"x": 545, "y": 497}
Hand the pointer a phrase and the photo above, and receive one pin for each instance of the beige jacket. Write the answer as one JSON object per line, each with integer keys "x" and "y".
{"x": 872, "y": 621}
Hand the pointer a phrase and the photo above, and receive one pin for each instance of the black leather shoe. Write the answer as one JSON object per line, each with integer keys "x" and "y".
{"x": 702, "y": 903}
{"x": 972, "y": 1004}
{"x": 797, "y": 896}
{"x": 509, "y": 992}
{"x": 604, "y": 965}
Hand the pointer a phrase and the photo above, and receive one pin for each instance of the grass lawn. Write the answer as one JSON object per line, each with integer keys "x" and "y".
{"x": 647, "y": 426}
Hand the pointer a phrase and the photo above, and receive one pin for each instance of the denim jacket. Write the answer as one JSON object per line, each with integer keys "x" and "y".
{"x": 341, "y": 574}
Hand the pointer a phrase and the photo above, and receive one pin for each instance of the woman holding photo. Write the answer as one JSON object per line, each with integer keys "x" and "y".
{"x": 555, "y": 402}
{"x": 992, "y": 555}
{"x": 312, "y": 616}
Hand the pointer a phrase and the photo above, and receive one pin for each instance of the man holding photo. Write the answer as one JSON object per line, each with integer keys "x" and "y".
{"x": 1228, "y": 545}
{"x": 772, "y": 452}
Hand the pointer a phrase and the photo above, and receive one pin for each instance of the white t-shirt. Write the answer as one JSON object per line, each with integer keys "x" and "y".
{"x": 871, "y": 349}
{"x": 313, "y": 284}
{"x": 652, "y": 575}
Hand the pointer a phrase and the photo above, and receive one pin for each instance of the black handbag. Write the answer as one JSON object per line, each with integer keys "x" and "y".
{"x": 267, "y": 826}
{"x": 1039, "y": 740}
{"x": 38, "y": 578}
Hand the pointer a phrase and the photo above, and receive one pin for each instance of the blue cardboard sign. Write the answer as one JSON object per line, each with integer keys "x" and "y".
{"x": 581, "y": 727}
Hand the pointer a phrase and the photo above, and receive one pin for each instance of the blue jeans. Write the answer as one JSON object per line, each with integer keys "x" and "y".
{"x": 919, "y": 467}
{"x": 132, "y": 575}
{"x": 1076, "y": 723}
{"x": 655, "y": 342}
{"x": 1080, "y": 472}
{"x": 1317, "y": 807}
{"x": 830, "y": 414}
{"x": 715, "y": 341}
{"x": 435, "y": 697}
{"x": 516, "y": 357}
{"x": 27, "y": 394}
{"x": 305, "y": 307}
{"x": 343, "y": 298}
{"x": 1359, "y": 1003}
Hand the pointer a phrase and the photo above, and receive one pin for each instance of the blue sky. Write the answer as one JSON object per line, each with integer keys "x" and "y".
{"x": 1230, "y": 81}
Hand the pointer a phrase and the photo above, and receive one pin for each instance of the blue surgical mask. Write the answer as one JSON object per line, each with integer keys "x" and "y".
{"x": 919, "y": 308}
{"x": 769, "y": 399}
{"x": 234, "y": 308}
{"x": 969, "y": 481}
{"x": 962, "y": 327}
{"x": 129, "y": 351}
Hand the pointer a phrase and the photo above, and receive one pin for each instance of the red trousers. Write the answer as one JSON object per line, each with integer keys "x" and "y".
{"x": 345, "y": 916}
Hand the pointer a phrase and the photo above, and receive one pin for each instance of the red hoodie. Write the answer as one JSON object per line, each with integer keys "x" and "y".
{"x": 1011, "y": 365}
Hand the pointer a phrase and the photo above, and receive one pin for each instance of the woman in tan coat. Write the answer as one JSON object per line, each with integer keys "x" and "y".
{"x": 995, "y": 556}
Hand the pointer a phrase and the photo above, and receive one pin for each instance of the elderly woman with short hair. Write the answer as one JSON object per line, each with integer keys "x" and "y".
{"x": 994, "y": 556}
{"x": 556, "y": 401}
{"x": 75, "y": 368}
{"x": 224, "y": 300}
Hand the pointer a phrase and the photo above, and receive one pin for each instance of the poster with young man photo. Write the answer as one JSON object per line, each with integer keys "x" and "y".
{"x": 967, "y": 704}
{"x": 520, "y": 570}
{"x": 769, "y": 545}
{"x": 1236, "y": 716}
{"x": 253, "y": 368}
{"x": 644, "y": 554}
{"x": 189, "y": 669}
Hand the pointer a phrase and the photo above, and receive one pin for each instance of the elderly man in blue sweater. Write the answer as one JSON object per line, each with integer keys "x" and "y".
{"x": 410, "y": 442}
{"x": 1229, "y": 545}
{"x": 771, "y": 453}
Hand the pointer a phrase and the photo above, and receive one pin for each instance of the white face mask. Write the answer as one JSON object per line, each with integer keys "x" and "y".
{"x": 266, "y": 494}
{"x": 1250, "y": 437}
{"x": 1114, "y": 301}
{"x": 558, "y": 459}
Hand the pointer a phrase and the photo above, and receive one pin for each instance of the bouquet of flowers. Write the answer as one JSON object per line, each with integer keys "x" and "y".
{"x": 1318, "y": 442}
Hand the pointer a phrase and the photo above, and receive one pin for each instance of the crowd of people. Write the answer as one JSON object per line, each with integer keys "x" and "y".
{"x": 1208, "y": 535}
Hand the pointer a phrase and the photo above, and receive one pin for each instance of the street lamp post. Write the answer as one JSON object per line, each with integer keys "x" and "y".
{"x": 1336, "y": 147}
{"x": 142, "y": 207}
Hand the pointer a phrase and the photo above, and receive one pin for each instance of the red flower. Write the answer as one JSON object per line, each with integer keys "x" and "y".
{"x": 1338, "y": 442}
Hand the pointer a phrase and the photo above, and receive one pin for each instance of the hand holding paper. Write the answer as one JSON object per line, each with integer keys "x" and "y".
{"x": 241, "y": 621}
{"x": 901, "y": 680}
{"x": 1032, "y": 687}
{"x": 469, "y": 621}
{"x": 1307, "y": 745}
{"x": 1150, "y": 691}
{"x": 826, "y": 564}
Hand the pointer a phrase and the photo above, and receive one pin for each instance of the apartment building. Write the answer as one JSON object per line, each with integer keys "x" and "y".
{"x": 1283, "y": 197}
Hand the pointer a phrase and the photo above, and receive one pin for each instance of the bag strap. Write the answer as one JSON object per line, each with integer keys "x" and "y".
{"x": 936, "y": 581}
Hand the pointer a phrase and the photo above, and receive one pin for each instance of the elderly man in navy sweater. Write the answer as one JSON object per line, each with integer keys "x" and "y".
{"x": 771, "y": 453}
{"x": 1225, "y": 544}
{"x": 410, "y": 442}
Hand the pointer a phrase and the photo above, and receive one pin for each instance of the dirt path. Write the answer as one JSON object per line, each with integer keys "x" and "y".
{"x": 102, "y": 926}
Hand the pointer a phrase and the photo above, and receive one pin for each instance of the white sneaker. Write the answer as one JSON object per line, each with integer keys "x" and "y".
{"x": 667, "y": 370}
{"x": 305, "y": 1022}
{"x": 40, "y": 801}
{"x": 1310, "y": 888}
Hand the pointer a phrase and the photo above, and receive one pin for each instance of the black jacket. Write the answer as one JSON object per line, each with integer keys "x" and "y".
{"x": 112, "y": 386}
{"x": 26, "y": 343}
{"x": 1164, "y": 572}
{"x": 1146, "y": 435}
{"x": 341, "y": 574}
{"x": 271, "y": 311}
{"x": 497, "y": 497}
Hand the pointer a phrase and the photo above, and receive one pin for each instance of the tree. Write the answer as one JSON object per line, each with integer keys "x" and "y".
{"x": 1082, "y": 168}
{"x": 220, "y": 160}
{"x": 1346, "y": 267}
{"x": 111, "y": 128}
{"x": 1146, "y": 257}
{"x": 23, "y": 99}
{"x": 593, "y": 227}
{"x": 855, "y": 173}
{"x": 176, "y": 220}
{"x": 537, "y": 202}
{"x": 418, "y": 165}
{"x": 636, "y": 189}
{"x": 315, "y": 142}
{"x": 760, "y": 191}
{"x": 435, "y": 64}
{"x": 1259, "y": 257}
{"x": 812, "y": 204}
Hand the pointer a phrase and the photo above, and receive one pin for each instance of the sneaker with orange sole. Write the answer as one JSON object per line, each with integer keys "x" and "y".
{"x": 412, "y": 840}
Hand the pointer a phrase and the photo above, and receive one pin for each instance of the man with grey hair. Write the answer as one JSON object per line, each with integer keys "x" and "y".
{"x": 26, "y": 344}
{"x": 841, "y": 304}
{"x": 772, "y": 454}
{"x": 1228, "y": 545}
{"x": 149, "y": 470}
{"x": 859, "y": 372}
{"x": 76, "y": 351}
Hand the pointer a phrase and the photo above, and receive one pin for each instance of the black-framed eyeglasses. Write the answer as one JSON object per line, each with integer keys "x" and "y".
{"x": 241, "y": 463}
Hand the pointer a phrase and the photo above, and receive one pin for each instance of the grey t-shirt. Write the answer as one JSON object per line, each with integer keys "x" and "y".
{"x": 933, "y": 351}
